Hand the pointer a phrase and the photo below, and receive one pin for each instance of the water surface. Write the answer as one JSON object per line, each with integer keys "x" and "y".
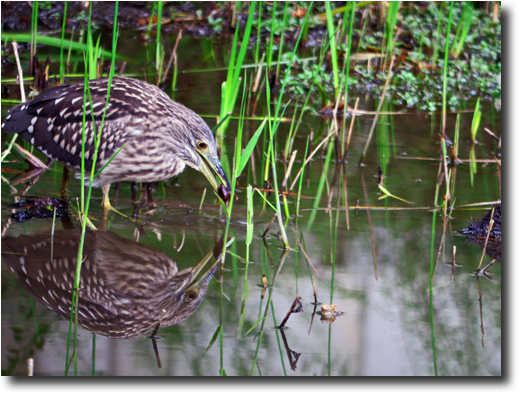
{"x": 373, "y": 264}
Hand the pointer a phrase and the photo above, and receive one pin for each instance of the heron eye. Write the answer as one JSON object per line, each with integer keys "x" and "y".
{"x": 191, "y": 296}
{"x": 202, "y": 145}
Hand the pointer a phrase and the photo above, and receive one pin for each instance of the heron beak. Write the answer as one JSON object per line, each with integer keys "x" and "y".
{"x": 210, "y": 165}
{"x": 199, "y": 267}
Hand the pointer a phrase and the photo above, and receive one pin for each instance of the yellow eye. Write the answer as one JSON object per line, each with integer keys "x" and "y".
{"x": 191, "y": 296}
{"x": 202, "y": 145}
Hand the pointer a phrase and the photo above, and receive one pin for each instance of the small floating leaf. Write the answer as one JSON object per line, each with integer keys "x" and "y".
{"x": 387, "y": 193}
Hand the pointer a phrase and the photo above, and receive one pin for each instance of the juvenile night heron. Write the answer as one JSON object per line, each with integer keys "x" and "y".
{"x": 159, "y": 136}
{"x": 127, "y": 289}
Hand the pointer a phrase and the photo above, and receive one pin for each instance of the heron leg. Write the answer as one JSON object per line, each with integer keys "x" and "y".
{"x": 117, "y": 186}
{"x": 105, "y": 204}
{"x": 144, "y": 199}
{"x": 134, "y": 186}
{"x": 106, "y": 200}
{"x": 149, "y": 190}
{"x": 64, "y": 182}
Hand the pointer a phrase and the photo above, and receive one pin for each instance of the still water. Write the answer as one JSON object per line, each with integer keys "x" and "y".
{"x": 373, "y": 264}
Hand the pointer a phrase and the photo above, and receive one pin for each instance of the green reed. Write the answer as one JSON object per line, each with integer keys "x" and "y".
{"x": 231, "y": 85}
{"x": 270, "y": 45}
{"x": 240, "y": 160}
{"x": 463, "y": 29}
{"x": 258, "y": 34}
{"x": 391, "y": 21}
{"x": 150, "y": 22}
{"x": 282, "y": 38}
{"x": 89, "y": 56}
{"x": 476, "y": 120}
{"x": 34, "y": 32}
{"x": 322, "y": 182}
{"x": 272, "y": 158}
{"x": 456, "y": 144}
{"x": 159, "y": 57}
{"x": 274, "y": 126}
{"x": 445, "y": 69}
{"x": 248, "y": 241}
{"x": 348, "y": 56}
{"x": 436, "y": 44}
{"x": 292, "y": 135}
{"x": 61, "y": 62}
{"x": 333, "y": 47}
{"x": 90, "y": 70}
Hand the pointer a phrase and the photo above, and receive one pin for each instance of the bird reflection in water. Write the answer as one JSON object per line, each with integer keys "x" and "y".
{"x": 127, "y": 289}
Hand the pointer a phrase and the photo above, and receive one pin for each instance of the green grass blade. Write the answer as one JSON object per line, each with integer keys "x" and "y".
{"x": 387, "y": 193}
{"x": 258, "y": 322}
{"x": 333, "y": 46}
{"x": 249, "y": 148}
{"x": 221, "y": 121}
{"x": 476, "y": 119}
{"x": 51, "y": 41}
{"x": 61, "y": 63}
{"x": 109, "y": 161}
{"x": 213, "y": 339}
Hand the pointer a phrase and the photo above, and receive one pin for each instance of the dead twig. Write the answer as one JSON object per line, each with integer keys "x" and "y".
{"x": 296, "y": 307}
{"x": 22, "y": 93}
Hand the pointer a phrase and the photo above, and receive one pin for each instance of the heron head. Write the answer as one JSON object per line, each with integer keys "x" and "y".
{"x": 203, "y": 155}
{"x": 189, "y": 289}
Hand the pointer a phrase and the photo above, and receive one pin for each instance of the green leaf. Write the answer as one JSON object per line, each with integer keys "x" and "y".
{"x": 245, "y": 288}
{"x": 108, "y": 162}
{"x": 51, "y": 41}
{"x": 322, "y": 93}
{"x": 385, "y": 191}
{"x": 258, "y": 322}
{"x": 213, "y": 339}
{"x": 250, "y": 225}
{"x": 476, "y": 119}
{"x": 249, "y": 148}
{"x": 224, "y": 118}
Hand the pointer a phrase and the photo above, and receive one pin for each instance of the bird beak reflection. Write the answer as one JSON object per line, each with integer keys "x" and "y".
{"x": 210, "y": 165}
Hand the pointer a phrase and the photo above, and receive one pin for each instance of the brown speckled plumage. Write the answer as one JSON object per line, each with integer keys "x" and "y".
{"x": 159, "y": 136}
{"x": 127, "y": 289}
